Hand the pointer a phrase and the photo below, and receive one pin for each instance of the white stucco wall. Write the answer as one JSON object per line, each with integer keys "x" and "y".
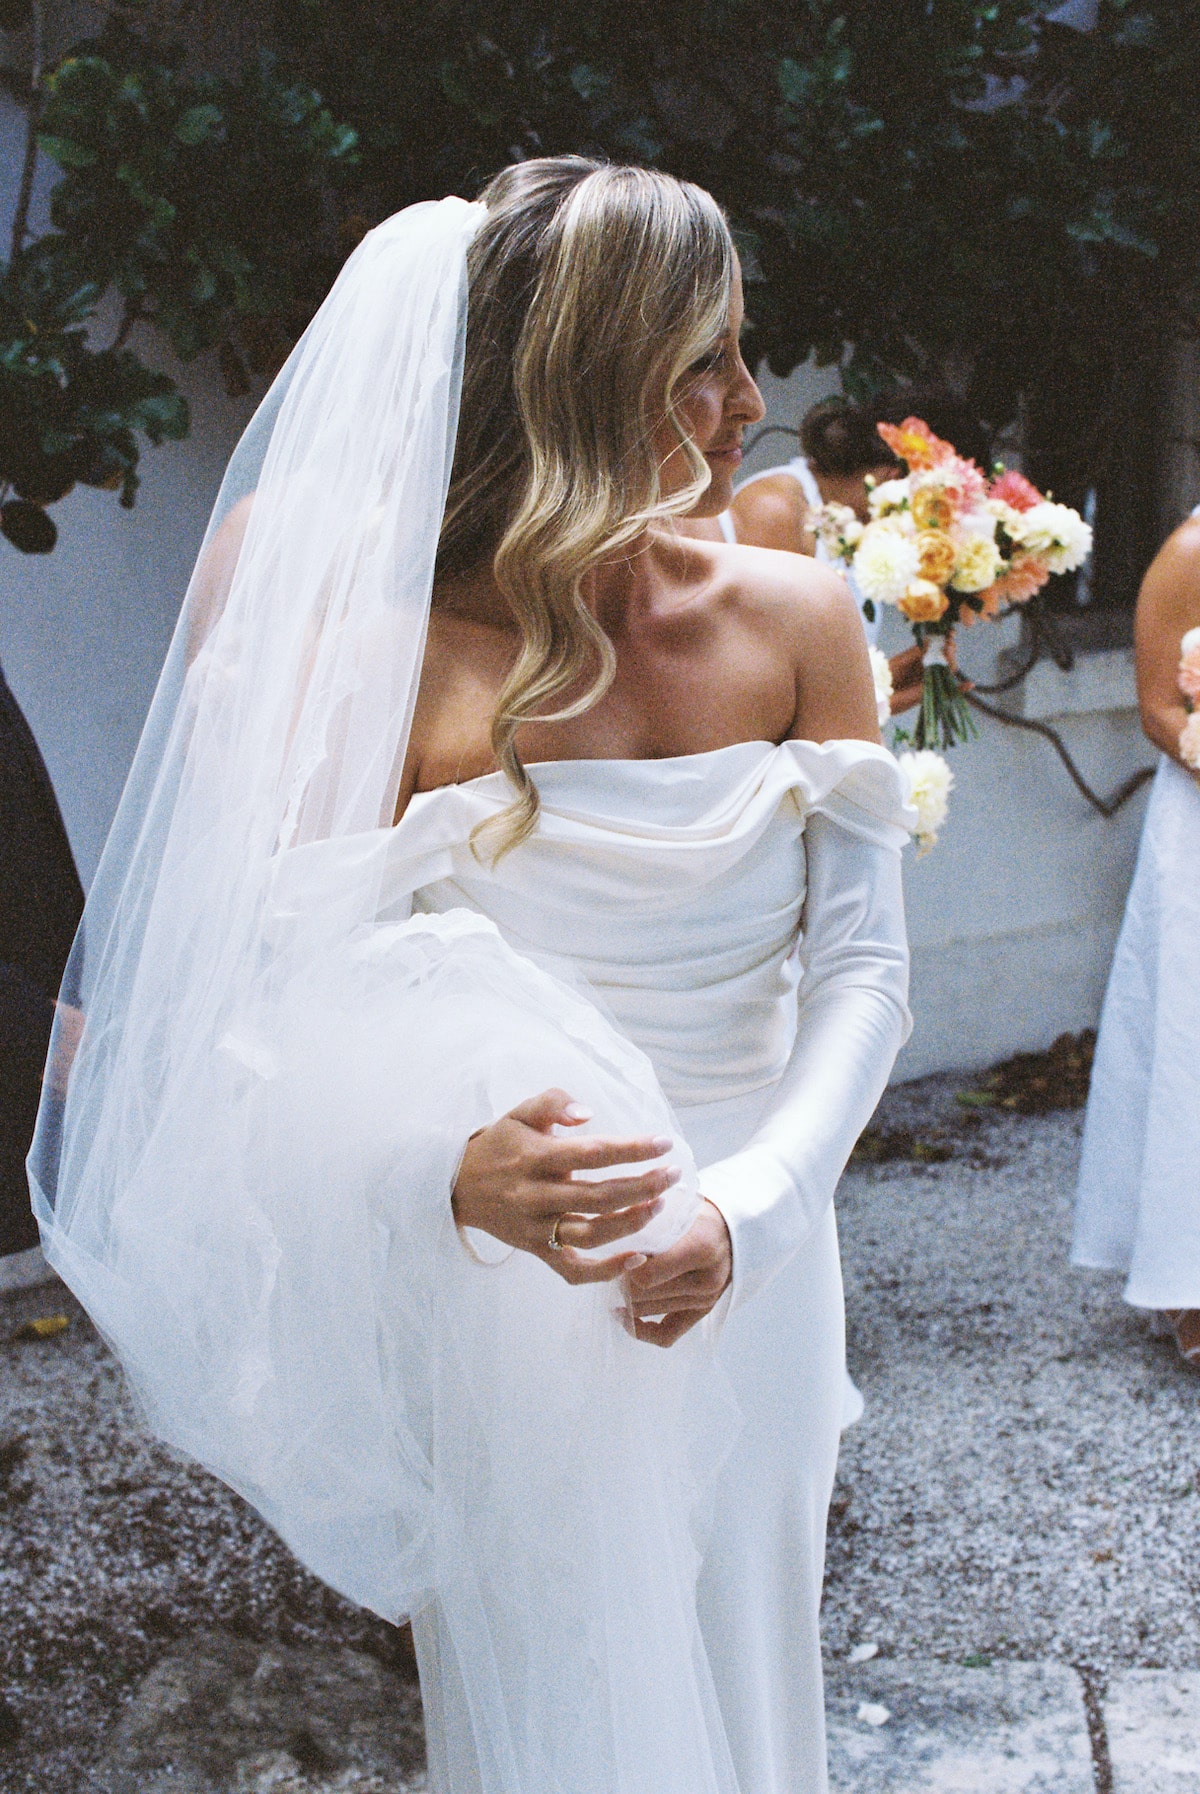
{"x": 83, "y": 631}
{"x": 1013, "y": 916}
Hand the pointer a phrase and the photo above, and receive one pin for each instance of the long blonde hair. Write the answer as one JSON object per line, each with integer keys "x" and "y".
{"x": 592, "y": 290}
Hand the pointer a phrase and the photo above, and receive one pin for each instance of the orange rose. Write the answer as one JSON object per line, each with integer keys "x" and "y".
{"x": 931, "y": 508}
{"x": 923, "y": 602}
{"x": 938, "y": 555}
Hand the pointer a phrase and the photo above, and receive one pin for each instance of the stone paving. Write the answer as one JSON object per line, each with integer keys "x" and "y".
{"x": 1013, "y": 1592}
{"x": 898, "y": 1727}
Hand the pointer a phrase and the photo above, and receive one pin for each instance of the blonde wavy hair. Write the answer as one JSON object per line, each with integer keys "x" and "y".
{"x": 593, "y": 290}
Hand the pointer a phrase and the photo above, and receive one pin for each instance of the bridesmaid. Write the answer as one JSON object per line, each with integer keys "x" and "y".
{"x": 1138, "y": 1203}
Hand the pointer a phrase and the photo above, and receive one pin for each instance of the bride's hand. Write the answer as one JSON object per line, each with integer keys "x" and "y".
{"x": 515, "y": 1182}
{"x": 684, "y": 1283}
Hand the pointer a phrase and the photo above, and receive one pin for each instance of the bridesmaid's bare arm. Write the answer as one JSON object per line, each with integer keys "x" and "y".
{"x": 1168, "y": 606}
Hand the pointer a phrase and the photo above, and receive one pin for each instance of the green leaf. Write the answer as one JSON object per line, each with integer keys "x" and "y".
{"x": 795, "y": 80}
{"x": 199, "y": 123}
{"x": 65, "y": 152}
{"x": 588, "y": 81}
{"x": 453, "y": 86}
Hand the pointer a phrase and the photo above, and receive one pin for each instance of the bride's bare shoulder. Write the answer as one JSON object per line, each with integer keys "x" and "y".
{"x": 785, "y": 590}
{"x": 803, "y": 611}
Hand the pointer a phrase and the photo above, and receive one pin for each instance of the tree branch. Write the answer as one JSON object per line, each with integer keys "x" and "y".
{"x": 133, "y": 314}
{"x": 20, "y": 226}
{"x": 1107, "y": 806}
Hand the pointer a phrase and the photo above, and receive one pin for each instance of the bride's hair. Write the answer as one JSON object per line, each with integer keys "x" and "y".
{"x": 592, "y": 291}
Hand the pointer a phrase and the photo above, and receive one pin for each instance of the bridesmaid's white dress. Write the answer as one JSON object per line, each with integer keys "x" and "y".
{"x": 674, "y": 890}
{"x": 1138, "y": 1203}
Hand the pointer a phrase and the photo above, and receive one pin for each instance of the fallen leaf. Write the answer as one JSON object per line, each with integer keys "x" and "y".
{"x": 44, "y": 1327}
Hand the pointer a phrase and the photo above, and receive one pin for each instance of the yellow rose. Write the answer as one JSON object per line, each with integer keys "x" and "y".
{"x": 923, "y": 602}
{"x": 978, "y": 564}
{"x": 931, "y": 508}
{"x": 937, "y": 553}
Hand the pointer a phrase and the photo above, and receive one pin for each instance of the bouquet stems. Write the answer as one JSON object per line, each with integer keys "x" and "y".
{"x": 943, "y": 718}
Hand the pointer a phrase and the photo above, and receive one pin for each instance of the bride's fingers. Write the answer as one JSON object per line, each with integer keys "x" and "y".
{"x": 668, "y": 1330}
{"x": 588, "y": 1196}
{"x": 573, "y": 1269}
{"x": 585, "y": 1231}
{"x": 684, "y": 1299}
{"x": 567, "y": 1197}
{"x": 562, "y": 1157}
{"x": 548, "y": 1109}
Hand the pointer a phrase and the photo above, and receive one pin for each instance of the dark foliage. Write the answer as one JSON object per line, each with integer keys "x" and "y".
{"x": 939, "y": 189}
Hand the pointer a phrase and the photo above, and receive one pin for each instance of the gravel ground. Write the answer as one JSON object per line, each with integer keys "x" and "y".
{"x": 112, "y": 1554}
{"x": 1025, "y": 1483}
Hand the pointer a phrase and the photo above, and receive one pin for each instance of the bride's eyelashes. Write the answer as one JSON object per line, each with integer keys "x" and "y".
{"x": 708, "y": 363}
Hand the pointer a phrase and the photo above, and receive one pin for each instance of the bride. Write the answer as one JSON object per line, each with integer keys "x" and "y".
{"x": 495, "y": 856}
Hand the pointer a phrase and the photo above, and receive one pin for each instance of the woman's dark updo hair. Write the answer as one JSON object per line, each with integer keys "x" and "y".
{"x": 839, "y": 438}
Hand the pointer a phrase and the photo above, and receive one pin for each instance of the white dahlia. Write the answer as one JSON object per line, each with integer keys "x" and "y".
{"x": 888, "y": 497}
{"x": 928, "y": 781}
{"x": 885, "y": 563}
{"x": 1057, "y": 535}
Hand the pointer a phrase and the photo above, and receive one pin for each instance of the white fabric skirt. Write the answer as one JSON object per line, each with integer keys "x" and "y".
{"x": 1138, "y": 1204}
{"x": 781, "y": 1357}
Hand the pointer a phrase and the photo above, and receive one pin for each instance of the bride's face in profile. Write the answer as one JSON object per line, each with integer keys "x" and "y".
{"x": 719, "y": 398}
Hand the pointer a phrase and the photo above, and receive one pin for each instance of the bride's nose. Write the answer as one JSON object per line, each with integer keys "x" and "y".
{"x": 743, "y": 400}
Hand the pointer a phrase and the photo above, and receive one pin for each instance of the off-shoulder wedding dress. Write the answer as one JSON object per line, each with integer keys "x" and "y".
{"x": 674, "y": 890}
{"x": 283, "y": 1019}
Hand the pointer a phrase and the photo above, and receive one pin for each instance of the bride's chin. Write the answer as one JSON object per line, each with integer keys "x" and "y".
{"x": 716, "y": 499}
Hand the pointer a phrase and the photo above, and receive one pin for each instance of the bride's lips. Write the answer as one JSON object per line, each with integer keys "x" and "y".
{"x": 730, "y": 456}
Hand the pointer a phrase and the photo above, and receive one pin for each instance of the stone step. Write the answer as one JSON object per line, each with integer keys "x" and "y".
{"x": 920, "y": 1727}
{"x": 1152, "y": 1717}
{"x": 225, "y": 1716}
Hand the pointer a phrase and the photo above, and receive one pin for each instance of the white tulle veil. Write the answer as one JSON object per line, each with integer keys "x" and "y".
{"x": 244, "y": 1157}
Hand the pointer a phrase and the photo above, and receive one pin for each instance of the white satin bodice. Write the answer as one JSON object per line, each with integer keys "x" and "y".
{"x": 673, "y": 889}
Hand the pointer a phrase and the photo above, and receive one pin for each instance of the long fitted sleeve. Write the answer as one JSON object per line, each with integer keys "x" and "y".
{"x": 853, "y": 1020}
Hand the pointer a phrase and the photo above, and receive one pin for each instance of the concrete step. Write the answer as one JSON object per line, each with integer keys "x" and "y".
{"x": 1152, "y": 1717}
{"x": 225, "y": 1716}
{"x": 920, "y": 1727}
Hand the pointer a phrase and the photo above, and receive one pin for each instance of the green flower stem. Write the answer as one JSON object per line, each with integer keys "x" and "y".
{"x": 943, "y": 719}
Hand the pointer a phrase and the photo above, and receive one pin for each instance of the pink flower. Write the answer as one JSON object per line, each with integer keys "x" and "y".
{"x": 1024, "y": 575}
{"x": 1015, "y": 490}
{"x": 1189, "y": 674}
{"x": 965, "y": 480}
{"x": 990, "y": 602}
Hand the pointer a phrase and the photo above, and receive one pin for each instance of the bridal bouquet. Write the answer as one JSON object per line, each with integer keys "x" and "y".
{"x": 1189, "y": 685}
{"x": 946, "y": 545}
